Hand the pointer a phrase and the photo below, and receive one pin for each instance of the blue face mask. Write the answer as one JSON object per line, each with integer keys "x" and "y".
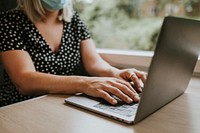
{"x": 54, "y": 4}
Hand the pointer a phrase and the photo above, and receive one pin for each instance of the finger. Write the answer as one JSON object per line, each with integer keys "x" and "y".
{"x": 107, "y": 97}
{"x": 142, "y": 75}
{"x": 127, "y": 84}
{"x": 125, "y": 87}
{"x": 136, "y": 81}
{"x": 130, "y": 92}
{"x": 115, "y": 91}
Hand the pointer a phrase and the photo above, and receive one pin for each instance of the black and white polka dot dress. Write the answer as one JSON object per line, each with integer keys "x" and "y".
{"x": 17, "y": 32}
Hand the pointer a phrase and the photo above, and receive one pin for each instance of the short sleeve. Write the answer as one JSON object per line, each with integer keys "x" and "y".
{"x": 82, "y": 29}
{"x": 10, "y": 31}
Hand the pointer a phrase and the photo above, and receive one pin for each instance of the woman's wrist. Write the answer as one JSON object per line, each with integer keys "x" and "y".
{"x": 83, "y": 84}
{"x": 114, "y": 72}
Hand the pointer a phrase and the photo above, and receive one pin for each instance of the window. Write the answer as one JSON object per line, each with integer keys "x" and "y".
{"x": 131, "y": 24}
{"x": 126, "y": 31}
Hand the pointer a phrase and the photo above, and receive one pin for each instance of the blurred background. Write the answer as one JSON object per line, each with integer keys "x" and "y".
{"x": 131, "y": 24}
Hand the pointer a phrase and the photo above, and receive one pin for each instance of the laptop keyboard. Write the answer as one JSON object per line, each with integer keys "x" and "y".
{"x": 121, "y": 108}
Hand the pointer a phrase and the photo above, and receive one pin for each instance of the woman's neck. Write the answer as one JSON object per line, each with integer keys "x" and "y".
{"x": 51, "y": 17}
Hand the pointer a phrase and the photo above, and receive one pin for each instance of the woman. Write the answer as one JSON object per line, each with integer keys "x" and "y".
{"x": 42, "y": 44}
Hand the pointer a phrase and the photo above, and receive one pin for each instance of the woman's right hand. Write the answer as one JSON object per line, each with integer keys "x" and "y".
{"x": 102, "y": 87}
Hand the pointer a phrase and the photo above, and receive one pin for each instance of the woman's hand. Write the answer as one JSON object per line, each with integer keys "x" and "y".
{"x": 134, "y": 77}
{"x": 102, "y": 87}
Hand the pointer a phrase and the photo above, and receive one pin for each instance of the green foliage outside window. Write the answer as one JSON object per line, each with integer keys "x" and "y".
{"x": 131, "y": 24}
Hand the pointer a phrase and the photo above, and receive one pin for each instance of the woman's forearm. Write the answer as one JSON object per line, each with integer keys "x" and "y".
{"x": 35, "y": 83}
{"x": 103, "y": 69}
{"x": 93, "y": 63}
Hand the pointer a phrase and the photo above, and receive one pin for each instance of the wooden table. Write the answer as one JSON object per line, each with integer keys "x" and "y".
{"x": 49, "y": 114}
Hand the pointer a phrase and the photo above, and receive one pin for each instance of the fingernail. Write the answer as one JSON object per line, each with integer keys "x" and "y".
{"x": 136, "y": 98}
{"x": 130, "y": 100}
{"x": 114, "y": 102}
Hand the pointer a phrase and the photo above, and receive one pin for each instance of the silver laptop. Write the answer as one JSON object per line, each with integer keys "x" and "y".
{"x": 170, "y": 71}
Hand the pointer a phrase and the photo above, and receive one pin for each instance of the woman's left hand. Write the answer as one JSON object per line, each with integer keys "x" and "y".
{"x": 133, "y": 76}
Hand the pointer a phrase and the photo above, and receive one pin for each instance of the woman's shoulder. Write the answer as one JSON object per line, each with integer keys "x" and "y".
{"x": 12, "y": 16}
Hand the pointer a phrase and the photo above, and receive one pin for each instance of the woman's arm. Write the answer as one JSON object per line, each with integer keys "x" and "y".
{"x": 93, "y": 63}
{"x": 21, "y": 70}
{"x": 96, "y": 66}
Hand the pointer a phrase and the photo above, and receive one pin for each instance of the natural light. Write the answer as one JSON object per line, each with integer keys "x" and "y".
{"x": 126, "y": 32}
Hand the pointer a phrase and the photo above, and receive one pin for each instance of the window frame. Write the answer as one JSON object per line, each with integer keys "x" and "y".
{"x": 133, "y": 59}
